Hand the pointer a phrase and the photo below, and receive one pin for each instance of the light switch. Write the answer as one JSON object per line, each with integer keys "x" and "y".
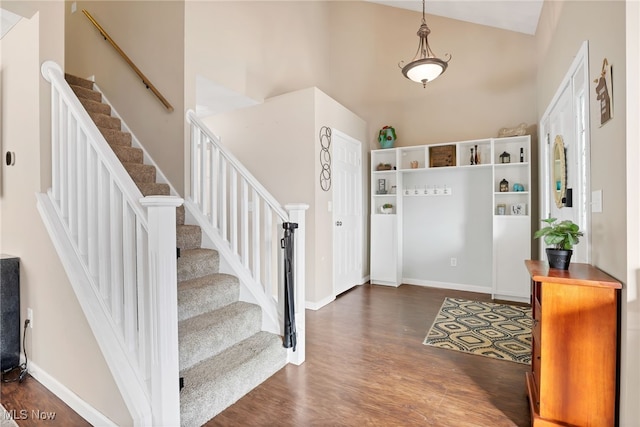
{"x": 596, "y": 201}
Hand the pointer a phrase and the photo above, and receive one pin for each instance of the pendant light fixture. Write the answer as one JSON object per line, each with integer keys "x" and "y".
{"x": 424, "y": 67}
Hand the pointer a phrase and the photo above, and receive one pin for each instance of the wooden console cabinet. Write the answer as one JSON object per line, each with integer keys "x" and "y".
{"x": 574, "y": 376}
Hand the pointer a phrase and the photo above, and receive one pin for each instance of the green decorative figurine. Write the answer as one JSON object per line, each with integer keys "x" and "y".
{"x": 387, "y": 137}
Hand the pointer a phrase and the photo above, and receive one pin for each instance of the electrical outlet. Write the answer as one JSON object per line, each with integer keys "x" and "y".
{"x": 30, "y": 317}
{"x": 454, "y": 262}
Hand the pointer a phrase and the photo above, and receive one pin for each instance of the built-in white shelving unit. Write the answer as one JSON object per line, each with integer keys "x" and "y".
{"x": 450, "y": 224}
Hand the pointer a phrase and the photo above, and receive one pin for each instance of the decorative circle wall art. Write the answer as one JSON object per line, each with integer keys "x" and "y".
{"x": 325, "y": 158}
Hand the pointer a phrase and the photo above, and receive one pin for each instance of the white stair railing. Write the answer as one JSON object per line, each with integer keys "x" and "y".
{"x": 245, "y": 222}
{"x": 119, "y": 250}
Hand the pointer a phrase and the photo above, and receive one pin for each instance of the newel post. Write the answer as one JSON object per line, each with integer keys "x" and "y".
{"x": 297, "y": 215}
{"x": 163, "y": 289}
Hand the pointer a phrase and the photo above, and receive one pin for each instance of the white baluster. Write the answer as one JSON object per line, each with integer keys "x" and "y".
{"x": 130, "y": 276}
{"x": 233, "y": 211}
{"x": 244, "y": 222}
{"x": 117, "y": 266}
{"x": 267, "y": 248}
{"x": 255, "y": 233}
{"x": 214, "y": 184}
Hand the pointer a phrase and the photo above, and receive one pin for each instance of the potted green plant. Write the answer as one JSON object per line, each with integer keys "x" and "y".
{"x": 387, "y": 208}
{"x": 560, "y": 237}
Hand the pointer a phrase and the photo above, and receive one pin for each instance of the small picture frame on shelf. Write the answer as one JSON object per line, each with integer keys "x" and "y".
{"x": 501, "y": 209}
{"x": 518, "y": 209}
{"x": 382, "y": 186}
{"x": 442, "y": 155}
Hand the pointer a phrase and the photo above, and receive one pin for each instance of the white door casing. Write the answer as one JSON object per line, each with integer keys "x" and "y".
{"x": 347, "y": 211}
{"x": 567, "y": 116}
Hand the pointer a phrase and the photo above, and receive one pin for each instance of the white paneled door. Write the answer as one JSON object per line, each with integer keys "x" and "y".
{"x": 567, "y": 117}
{"x": 347, "y": 212}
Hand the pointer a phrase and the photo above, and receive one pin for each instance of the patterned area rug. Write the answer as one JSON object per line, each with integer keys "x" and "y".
{"x": 486, "y": 329}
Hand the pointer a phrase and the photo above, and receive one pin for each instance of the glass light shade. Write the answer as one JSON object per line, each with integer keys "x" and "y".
{"x": 424, "y": 70}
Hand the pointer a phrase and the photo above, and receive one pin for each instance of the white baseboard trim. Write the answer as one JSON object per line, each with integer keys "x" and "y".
{"x": 74, "y": 401}
{"x": 445, "y": 285}
{"x": 312, "y": 305}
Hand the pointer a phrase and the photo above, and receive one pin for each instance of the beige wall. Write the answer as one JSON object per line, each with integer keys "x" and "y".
{"x": 151, "y": 33}
{"x": 350, "y": 50}
{"x": 576, "y": 21}
{"x": 630, "y": 387}
{"x": 563, "y": 26}
{"x": 60, "y": 343}
{"x": 490, "y": 82}
{"x": 258, "y": 49}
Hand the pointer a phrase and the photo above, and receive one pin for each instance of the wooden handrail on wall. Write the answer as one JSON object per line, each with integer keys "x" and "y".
{"x": 144, "y": 78}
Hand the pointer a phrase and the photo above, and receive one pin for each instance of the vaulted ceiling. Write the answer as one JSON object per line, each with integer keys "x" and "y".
{"x": 514, "y": 15}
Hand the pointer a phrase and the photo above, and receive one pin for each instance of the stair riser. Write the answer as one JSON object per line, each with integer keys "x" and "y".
{"x": 196, "y": 266}
{"x": 107, "y": 122}
{"x": 206, "y": 294}
{"x": 128, "y": 154}
{"x": 188, "y": 237}
{"x": 180, "y": 215}
{"x": 207, "y": 335}
{"x": 95, "y": 107}
{"x": 153, "y": 189}
{"x": 87, "y": 93}
{"x": 78, "y": 81}
{"x": 116, "y": 137}
{"x": 141, "y": 173}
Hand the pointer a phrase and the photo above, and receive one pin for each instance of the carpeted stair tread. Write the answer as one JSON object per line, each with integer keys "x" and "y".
{"x": 216, "y": 383}
{"x": 140, "y": 172}
{"x": 82, "y": 92}
{"x": 78, "y": 81}
{"x": 154, "y": 189}
{"x": 116, "y": 137}
{"x": 188, "y": 236}
{"x": 207, "y": 293}
{"x": 128, "y": 154}
{"x": 211, "y": 333}
{"x": 95, "y": 107}
{"x": 105, "y": 121}
{"x": 196, "y": 263}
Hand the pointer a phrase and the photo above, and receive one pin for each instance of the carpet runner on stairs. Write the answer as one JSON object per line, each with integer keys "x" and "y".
{"x": 223, "y": 352}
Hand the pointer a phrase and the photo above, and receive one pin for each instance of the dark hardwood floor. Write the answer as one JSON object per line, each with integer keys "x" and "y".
{"x": 31, "y": 404}
{"x": 365, "y": 365}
